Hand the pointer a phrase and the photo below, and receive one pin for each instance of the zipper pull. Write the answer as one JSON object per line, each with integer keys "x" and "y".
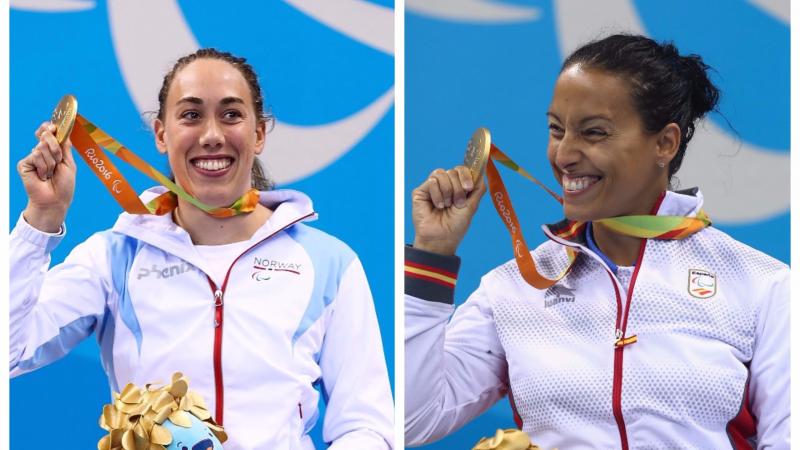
{"x": 217, "y": 308}
{"x": 627, "y": 341}
{"x": 622, "y": 341}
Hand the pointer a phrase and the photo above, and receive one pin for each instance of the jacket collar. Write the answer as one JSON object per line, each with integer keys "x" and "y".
{"x": 687, "y": 202}
{"x": 288, "y": 207}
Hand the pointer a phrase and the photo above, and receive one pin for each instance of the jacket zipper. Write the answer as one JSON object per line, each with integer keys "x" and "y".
{"x": 219, "y": 303}
{"x": 621, "y": 327}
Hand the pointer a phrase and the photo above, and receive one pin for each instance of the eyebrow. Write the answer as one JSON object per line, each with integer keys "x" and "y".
{"x": 199, "y": 101}
{"x": 584, "y": 120}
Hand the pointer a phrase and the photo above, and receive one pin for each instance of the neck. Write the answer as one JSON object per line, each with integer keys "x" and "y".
{"x": 209, "y": 230}
{"x": 622, "y": 249}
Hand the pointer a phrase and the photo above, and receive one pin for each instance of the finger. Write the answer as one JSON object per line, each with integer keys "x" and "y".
{"x": 459, "y": 196}
{"x": 53, "y": 146}
{"x": 44, "y": 127}
{"x": 431, "y": 186}
{"x": 47, "y": 155}
{"x": 445, "y": 187}
{"x": 465, "y": 177}
{"x": 26, "y": 165}
{"x": 38, "y": 161}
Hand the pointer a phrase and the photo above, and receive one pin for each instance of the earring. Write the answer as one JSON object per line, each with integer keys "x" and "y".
{"x": 661, "y": 164}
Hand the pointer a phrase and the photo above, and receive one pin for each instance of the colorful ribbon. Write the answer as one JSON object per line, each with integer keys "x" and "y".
{"x": 90, "y": 141}
{"x": 643, "y": 226}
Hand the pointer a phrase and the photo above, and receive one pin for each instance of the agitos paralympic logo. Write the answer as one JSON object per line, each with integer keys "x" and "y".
{"x": 264, "y": 268}
{"x": 702, "y": 283}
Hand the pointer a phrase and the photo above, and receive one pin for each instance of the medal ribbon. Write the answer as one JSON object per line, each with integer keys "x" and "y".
{"x": 90, "y": 141}
{"x": 643, "y": 226}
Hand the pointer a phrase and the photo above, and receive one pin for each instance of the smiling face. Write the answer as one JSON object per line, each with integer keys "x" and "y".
{"x": 210, "y": 131}
{"x": 599, "y": 150}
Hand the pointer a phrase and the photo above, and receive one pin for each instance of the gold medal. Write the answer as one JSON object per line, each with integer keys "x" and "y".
{"x": 64, "y": 117}
{"x": 478, "y": 152}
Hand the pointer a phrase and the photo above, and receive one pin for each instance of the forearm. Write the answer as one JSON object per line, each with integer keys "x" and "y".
{"x": 360, "y": 410}
{"x": 51, "y": 311}
{"x": 29, "y": 259}
{"x": 453, "y": 371}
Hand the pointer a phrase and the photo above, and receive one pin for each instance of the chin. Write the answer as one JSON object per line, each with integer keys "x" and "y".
{"x": 579, "y": 214}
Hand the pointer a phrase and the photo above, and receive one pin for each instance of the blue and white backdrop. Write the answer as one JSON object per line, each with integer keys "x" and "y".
{"x": 328, "y": 73}
{"x": 493, "y": 63}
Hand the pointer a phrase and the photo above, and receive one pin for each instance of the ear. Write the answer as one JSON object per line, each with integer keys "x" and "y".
{"x": 158, "y": 128}
{"x": 261, "y": 136}
{"x": 668, "y": 142}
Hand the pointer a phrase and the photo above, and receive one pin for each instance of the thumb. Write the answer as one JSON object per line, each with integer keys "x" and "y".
{"x": 66, "y": 150}
{"x": 474, "y": 197}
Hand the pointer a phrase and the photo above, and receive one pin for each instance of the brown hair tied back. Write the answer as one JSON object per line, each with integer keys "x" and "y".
{"x": 259, "y": 179}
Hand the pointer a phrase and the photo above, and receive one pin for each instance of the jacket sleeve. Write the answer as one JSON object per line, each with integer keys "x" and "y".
{"x": 50, "y": 312}
{"x": 769, "y": 368}
{"x": 359, "y": 411}
{"x": 453, "y": 371}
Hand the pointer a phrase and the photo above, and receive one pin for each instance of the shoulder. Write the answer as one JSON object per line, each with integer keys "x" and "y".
{"x": 321, "y": 246}
{"x": 732, "y": 256}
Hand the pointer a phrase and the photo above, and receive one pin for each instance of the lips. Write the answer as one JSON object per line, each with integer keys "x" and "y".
{"x": 576, "y": 184}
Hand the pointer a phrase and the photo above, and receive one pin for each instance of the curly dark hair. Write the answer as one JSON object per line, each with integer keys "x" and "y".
{"x": 665, "y": 86}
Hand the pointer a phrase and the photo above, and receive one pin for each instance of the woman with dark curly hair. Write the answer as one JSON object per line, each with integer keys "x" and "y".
{"x": 617, "y": 353}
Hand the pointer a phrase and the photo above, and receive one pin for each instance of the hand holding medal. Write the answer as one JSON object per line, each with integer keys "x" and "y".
{"x": 48, "y": 172}
{"x": 443, "y": 206}
{"x": 440, "y": 227}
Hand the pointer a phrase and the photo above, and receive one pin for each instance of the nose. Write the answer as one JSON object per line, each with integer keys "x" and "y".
{"x": 213, "y": 136}
{"x": 566, "y": 152}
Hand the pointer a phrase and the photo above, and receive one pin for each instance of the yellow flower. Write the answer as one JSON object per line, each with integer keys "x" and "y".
{"x": 134, "y": 419}
{"x": 510, "y": 439}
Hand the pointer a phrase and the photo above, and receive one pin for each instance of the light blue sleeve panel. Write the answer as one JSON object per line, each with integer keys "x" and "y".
{"x": 330, "y": 258}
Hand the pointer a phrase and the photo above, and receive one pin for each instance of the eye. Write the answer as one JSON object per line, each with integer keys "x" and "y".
{"x": 232, "y": 115}
{"x": 190, "y": 115}
{"x": 555, "y": 130}
{"x": 595, "y": 133}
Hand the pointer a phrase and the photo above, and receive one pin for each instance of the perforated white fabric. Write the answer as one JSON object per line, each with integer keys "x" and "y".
{"x": 700, "y": 340}
{"x": 686, "y": 372}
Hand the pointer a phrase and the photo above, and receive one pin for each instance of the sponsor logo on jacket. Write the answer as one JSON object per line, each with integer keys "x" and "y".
{"x": 166, "y": 271}
{"x": 702, "y": 283}
{"x": 558, "y": 294}
{"x": 264, "y": 268}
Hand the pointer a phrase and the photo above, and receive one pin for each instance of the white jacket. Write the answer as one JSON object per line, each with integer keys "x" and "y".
{"x": 294, "y": 313}
{"x": 710, "y": 369}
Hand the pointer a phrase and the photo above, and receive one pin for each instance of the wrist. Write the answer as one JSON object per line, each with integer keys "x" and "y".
{"x": 435, "y": 246}
{"x": 46, "y": 220}
{"x": 430, "y": 276}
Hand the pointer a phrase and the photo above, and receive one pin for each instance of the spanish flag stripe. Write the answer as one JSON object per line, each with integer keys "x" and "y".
{"x": 430, "y": 276}
{"x": 436, "y": 270}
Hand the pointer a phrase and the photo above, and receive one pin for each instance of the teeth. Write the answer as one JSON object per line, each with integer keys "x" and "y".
{"x": 578, "y": 184}
{"x": 212, "y": 164}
